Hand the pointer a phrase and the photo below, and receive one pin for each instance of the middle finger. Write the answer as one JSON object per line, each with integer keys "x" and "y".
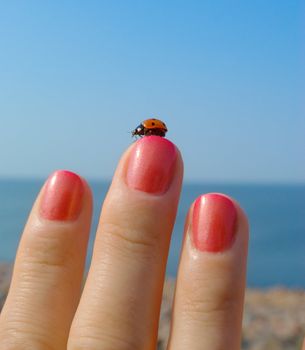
{"x": 120, "y": 305}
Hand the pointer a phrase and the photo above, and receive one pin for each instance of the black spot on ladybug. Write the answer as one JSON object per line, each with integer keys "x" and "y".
{"x": 153, "y": 123}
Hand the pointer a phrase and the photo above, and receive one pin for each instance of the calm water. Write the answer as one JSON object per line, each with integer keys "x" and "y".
{"x": 277, "y": 221}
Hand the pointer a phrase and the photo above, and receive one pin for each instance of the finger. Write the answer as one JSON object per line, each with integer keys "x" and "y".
{"x": 48, "y": 270}
{"x": 211, "y": 279}
{"x": 120, "y": 305}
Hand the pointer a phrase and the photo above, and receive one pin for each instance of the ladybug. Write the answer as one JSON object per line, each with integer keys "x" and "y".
{"x": 150, "y": 127}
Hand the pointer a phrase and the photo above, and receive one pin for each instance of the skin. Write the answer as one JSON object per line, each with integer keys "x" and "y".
{"x": 119, "y": 305}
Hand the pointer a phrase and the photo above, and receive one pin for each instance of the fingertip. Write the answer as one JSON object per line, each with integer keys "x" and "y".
{"x": 151, "y": 165}
{"x": 216, "y": 221}
{"x": 63, "y": 196}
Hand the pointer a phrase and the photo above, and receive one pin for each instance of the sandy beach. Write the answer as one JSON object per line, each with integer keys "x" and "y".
{"x": 274, "y": 319}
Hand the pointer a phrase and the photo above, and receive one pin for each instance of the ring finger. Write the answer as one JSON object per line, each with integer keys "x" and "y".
{"x": 211, "y": 278}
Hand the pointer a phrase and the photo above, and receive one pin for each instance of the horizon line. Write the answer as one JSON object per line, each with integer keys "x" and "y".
{"x": 186, "y": 181}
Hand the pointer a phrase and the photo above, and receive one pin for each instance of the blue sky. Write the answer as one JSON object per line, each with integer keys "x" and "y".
{"x": 227, "y": 77}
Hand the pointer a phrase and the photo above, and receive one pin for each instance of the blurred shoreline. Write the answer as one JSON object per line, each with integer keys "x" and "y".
{"x": 274, "y": 318}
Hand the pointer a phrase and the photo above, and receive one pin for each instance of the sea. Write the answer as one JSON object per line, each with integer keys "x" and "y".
{"x": 276, "y": 215}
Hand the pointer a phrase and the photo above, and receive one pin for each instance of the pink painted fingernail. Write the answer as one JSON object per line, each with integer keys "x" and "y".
{"x": 213, "y": 223}
{"x": 62, "y": 196}
{"x": 151, "y": 165}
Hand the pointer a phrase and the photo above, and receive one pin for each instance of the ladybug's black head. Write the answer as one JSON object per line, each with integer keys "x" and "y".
{"x": 139, "y": 130}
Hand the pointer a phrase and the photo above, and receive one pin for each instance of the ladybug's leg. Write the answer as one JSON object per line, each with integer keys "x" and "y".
{"x": 159, "y": 132}
{"x": 147, "y": 132}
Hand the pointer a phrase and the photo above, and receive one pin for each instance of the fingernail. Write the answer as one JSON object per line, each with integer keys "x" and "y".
{"x": 213, "y": 223}
{"x": 151, "y": 165}
{"x": 62, "y": 196}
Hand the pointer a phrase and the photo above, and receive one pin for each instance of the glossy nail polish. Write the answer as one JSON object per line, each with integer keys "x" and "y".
{"x": 151, "y": 165}
{"x": 213, "y": 223}
{"x": 62, "y": 196}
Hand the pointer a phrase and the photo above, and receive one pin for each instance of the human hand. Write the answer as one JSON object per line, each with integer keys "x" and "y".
{"x": 120, "y": 303}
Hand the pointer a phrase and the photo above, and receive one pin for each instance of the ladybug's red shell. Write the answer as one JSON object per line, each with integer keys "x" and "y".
{"x": 150, "y": 127}
{"x": 154, "y": 124}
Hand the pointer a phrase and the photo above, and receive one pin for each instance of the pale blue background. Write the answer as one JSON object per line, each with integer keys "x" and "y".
{"x": 226, "y": 77}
